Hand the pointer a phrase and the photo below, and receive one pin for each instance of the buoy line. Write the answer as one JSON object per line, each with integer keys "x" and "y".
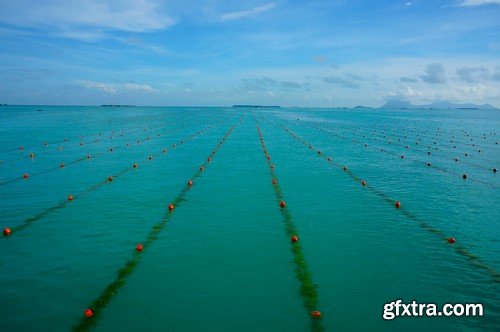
{"x": 308, "y": 289}
{"x": 460, "y": 249}
{"x": 428, "y": 164}
{"x": 30, "y": 220}
{"x": 411, "y": 146}
{"x": 75, "y": 161}
{"x": 94, "y": 310}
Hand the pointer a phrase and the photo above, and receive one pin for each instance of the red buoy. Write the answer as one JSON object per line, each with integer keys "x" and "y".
{"x": 294, "y": 238}
{"x": 110, "y": 179}
{"x": 139, "y": 247}
{"x": 26, "y": 175}
{"x": 190, "y": 183}
{"x": 451, "y": 240}
{"x": 70, "y": 198}
{"x": 316, "y": 314}
{"x": 282, "y": 204}
{"x": 363, "y": 183}
{"x": 6, "y": 231}
{"x": 88, "y": 313}
{"x": 171, "y": 207}
{"x": 397, "y": 204}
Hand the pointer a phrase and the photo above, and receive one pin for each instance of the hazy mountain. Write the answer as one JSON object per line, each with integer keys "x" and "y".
{"x": 441, "y": 104}
{"x": 397, "y": 104}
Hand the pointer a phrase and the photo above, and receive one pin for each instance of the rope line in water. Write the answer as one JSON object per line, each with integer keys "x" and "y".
{"x": 409, "y": 146}
{"x": 28, "y": 221}
{"x": 308, "y": 289}
{"x": 384, "y": 150}
{"x": 78, "y": 160}
{"x": 420, "y": 133}
{"x": 463, "y": 251}
{"x": 94, "y": 311}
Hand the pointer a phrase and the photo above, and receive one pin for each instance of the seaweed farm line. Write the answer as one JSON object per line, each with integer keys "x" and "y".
{"x": 237, "y": 219}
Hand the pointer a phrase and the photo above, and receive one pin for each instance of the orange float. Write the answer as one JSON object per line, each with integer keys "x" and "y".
{"x": 316, "y": 314}
{"x": 88, "y": 313}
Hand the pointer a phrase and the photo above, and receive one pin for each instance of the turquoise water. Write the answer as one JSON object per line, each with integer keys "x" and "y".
{"x": 222, "y": 260}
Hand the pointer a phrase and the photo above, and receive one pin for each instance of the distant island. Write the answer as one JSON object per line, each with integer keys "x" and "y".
{"x": 440, "y": 104}
{"x": 117, "y": 105}
{"x": 257, "y": 106}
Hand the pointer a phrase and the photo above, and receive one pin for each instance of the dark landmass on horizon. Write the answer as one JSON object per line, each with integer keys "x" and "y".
{"x": 258, "y": 106}
{"x": 116, "y": 105}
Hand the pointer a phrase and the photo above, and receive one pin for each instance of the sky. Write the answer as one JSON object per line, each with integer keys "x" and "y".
{"x": 313, "y": 53}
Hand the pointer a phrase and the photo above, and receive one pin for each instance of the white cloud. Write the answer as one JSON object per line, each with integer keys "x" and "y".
{"x": 246, "y": 13}
{"x": 138, "y": 87}
{"x": 111, "y": 88}
{"x": 85, "y": 19}
{"x": 475, "y": 3}
{"x": 104, "y": 87}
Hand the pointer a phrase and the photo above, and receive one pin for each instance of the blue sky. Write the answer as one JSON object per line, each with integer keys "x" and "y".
{"x": 286, "y": 52}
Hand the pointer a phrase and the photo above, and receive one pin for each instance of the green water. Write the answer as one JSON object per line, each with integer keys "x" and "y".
{"x": 223, "y": 260}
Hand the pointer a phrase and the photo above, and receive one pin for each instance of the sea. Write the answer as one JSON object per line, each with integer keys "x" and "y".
{"x": 183, "y": 218}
